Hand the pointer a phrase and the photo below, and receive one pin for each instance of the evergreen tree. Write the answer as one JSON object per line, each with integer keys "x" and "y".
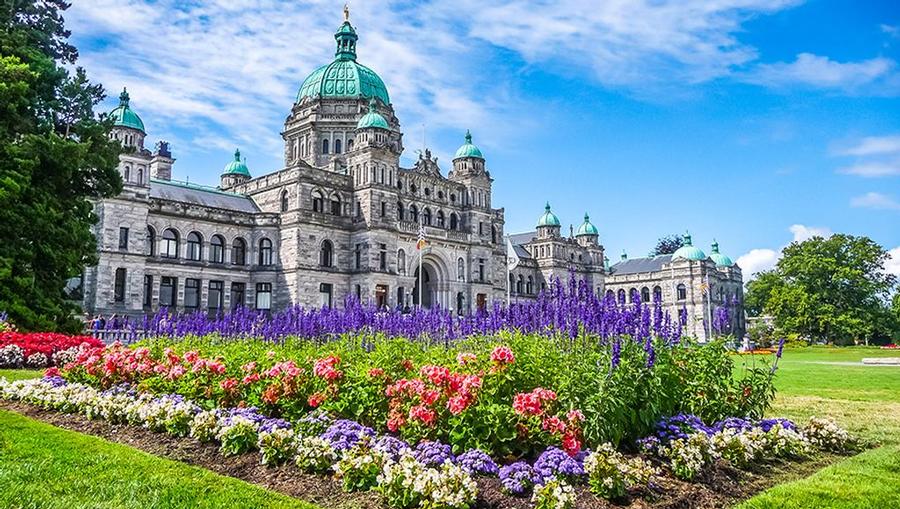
{"x": 55, "y": 156}
{"x": 667, "y": 245}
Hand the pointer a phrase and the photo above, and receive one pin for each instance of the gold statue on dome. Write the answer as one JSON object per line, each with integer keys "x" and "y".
{"x": 346, "y": 13}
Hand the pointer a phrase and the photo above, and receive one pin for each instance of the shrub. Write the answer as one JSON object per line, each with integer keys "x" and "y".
{"x": 36, "y": 360}
{"x": 12, "y": 356}
{"x": 237, "y": 435}
{"x": 360, "y": 467}
{"x": 315, "y": 455}
{"x": 611, "y": 474}
{"x": 826, "y": 435}
{"x": 688, "y": 456}
{"x": 277, "y": 446}
{"x": 205, "y": 426}
{"x": 554, "y": 494}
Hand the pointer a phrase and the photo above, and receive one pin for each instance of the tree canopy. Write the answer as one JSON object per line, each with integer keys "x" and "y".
{"x": 55, "y": 156}
{"x": 667, "y": 245}
{"x": 831, "y": 289}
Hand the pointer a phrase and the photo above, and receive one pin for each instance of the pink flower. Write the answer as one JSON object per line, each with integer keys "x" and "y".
{"x": 423, "y": 414}
{"x": 575, "y": 416}
{"x": 325, "y": 368}
{"x": 458, "y": 404}
{"x": 502, "y": 355}
{"x": 176, "y": 372}
{"x": 464, "y": 358}
{"x": 435, "y": 374}
{"x": 247, "y": 368}
{"x": 430, "y": 396}
{"x": 191, "y": 357}
{"x": 52, "y": 372}
{"x": 545, "y": 394}
{"x": 316, "y": 399}
{"x": 251, "y": 378}
{"x": 527, "y": 404}
{"x": 554, "y": 425}
{"x": 229, "y": 384}
{"x": 571, "y": 444}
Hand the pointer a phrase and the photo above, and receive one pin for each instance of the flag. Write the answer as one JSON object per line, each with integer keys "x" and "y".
{"x": 420, "y": 243}
{"x": 512, "y": 259}
{"x": 704, "y": 287}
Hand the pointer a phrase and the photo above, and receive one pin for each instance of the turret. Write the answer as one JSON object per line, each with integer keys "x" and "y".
{"x": 128, "y": 127}
{"x": 235, "y": 172}
{"x": 587, "y": 234}
{"x": 548, "y": 224}
{"x": 161, "y": 163}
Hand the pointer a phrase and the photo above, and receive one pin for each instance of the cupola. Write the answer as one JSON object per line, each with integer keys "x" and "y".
{"x": 548, "y": 224}
{"x": 688, "y": 251}
{"x": 717, "y": 257}
{"x": 235, "y": 172}
{"x": 467, "y": 149}
{"x": 586, "y": 227}
{"x": 372, "y": 119}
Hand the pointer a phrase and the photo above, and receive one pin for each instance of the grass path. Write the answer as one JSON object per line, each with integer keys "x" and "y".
{"x": 45, "y": 467}
{"x": 863, "y": 399}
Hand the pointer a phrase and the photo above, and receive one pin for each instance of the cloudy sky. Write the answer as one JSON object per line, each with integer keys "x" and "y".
{"x": 755, "y": 122}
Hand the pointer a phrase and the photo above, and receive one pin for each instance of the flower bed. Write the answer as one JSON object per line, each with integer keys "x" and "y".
{"x": 428, "y": 474}
{"x": 40, "y": 349}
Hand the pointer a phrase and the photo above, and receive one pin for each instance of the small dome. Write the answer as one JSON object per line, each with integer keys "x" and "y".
{"x": 688, "y": 251}
{"x": 372, "y": 118}
{"x": 467, "y": 149}
{"x": 720, "y": 259}
{"x": 236, "y": 167}
{"x": 548, "y": 218}
{"x": 124, "y": 116}
{"x": 586, "y": 227}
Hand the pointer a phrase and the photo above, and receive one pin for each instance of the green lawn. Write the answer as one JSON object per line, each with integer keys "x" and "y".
{"x": 20, "y": 374}
{"x": 45, "y": 467}
{"x": 863, "y": 399}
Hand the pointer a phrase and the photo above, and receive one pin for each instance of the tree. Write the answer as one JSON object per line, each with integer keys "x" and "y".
{"x": 832, "y": 289}
{"x": 55, "y": 156}
{"x": 667, "y": 245}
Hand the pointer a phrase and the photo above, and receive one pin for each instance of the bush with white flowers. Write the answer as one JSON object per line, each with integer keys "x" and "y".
{"x": 12, "y": 356}
{"x": 237, "y": 436}
{"x": 611, "y": 474}
{"x": 359, "y": 467}
{"x": 37, "y": 360}
{"x": 62, "y": 357}
{"x": 277, "y": 446}
{"x": 826, "y": 435}
{"x": 740, "y": 447}
{"x": 689, "y": 455}
{"x": 315, "y": 455}
{"x": 554, "y": 494}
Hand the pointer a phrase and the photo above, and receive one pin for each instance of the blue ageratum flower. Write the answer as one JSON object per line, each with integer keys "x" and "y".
{"x": 767, "y": 424}
{"x": 391, "y": 446}
{"x": 516, "y": 478}
{"x": 345, "y": 434}
{"x": 433, "y": 454}
{"x": 477, "y": 462}
{"x": 555, "y": 462}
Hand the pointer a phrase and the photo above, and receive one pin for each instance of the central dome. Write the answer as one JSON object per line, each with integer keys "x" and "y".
{"x": 344, "y": 77}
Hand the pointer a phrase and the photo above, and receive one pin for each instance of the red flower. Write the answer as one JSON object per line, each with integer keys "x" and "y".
{"x": 271, "y": 394}
{"x": 423, "y": 414}
{"x": 229, "y": 384}
{"x": 502, "y": 355}
{"x": 458, "y": 404}
{"x": 527, "y": 404}
{"x": 326, "y": 368}
{"x": 435, "y": 374}
{"x": 316, "y": 399}
{"x": 554, "y": 425}
{"x": 407, "y": 364}
{"x": 571, "y": 444}
{"x": 376, "y": 372}
{"x": 52, "y": 372}
{"x": 464, "y": 358}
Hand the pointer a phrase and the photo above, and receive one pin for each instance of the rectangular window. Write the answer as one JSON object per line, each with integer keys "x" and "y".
{"x": 119, "y": 289}
{"x": 358, "y": 256}
{"x": 168, "y": 292}
{"x": 480, "y": 228}
{"x": 383, "y": 209}
{"x": 382, "y": 256}
{"x": 238, "y": 294}
{"x": 148, "y": 291}
{"x": 325, "y": 295}
{"x": 215, "y": 296}
{"x": 264, "y": 296}
{"x": 481, "y": 270}
{"x": 123, "y": 238}
{"x": 191, "y": 293}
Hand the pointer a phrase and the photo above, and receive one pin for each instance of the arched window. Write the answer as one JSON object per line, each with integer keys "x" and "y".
{"x": 426, "y": 216}
{"x": 621, "y": 296}
{"x": 413, "y": 214}
{"x": 151, "y": 241}
{"x": 399, "y": 211}
{"x": 284, "y": 201}
{"x": 512, "y": 283}
{"x": 401, "y": 262}
{"x": 645, "y": 295}
{"x": 657, "y": 294}
{"x": 634, "y": 295}
{"x": 169, "y": 247}
{"x": 399, "y": 184}
{"x": 337, "y": 146}
{"x": 335, "y": 205}
{"x": 529, "y": 286}
{"x": 326, "y": 254}
{"x": 350, "y": 145}
{"x": 520, "y": 284}
{"x": 611, "y": 294}
{"x": 140, "y": 176}
{"x": 682, "y": 291}
{"x": 194, "y": 246}
{"x": 440, "y": 219}
{"x": 217, "y": 249}
{"x": 461, "y": 269}
{"x": 239, "y": 252}
{"x": 318, "y": 202}
{"x": 325, "y": 147}
{"x": 127, "y": 173}
{"x": 265, "y": 252}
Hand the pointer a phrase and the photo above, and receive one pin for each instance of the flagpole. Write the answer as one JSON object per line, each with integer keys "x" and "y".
{"x": 421, "y": 255}
{"x": 708, "y": 309}
{"x": 508, "y": 272}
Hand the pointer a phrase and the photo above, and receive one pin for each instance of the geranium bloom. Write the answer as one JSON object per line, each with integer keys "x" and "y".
{"x": 191, "y": 357}
{"x": 571, "y": 444}
{"x": 316, "y": 399}
{"x": 435, "y": 374}
{"x": 554, "y": 425}
{"x": 458, "y": 404}
{"x": 544, "y": 394}
{"x": 326, "y": 368}
{"x": 502, "y": 355}
{"x": 271, "y": 394}
{"x": 429, "y": 396}
{"x": 376, "y": 372}
{"x": 407, "y": 364}
{"x": 575, "y": 416}
{"x": 249, "y": 367}
{"x": 527, "y": 404}
{"x": 251, "y": 378}
{"x": 395, "y": 421}
{"x": 423, "y": 414}
{"x": 229, "y": 384}
{"x": 51, "y": 372}
{"x": 464, "y": 358}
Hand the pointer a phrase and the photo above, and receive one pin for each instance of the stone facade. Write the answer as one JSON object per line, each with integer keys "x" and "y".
{"x": 342, "y": 218}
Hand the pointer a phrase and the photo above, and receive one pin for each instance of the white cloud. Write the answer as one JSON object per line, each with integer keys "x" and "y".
{"x": 891, "y": 30}
{"x": 877, "y": 201}
{"x": 757, "y": 260}
{"x": 822, "y": 72}
{"x": 873, "y": 145}
{"x": 892, "y": 266}
{"x": 762, "y": 259}
{"x": 802, "y": 232}
{"x": 873, "y": 169}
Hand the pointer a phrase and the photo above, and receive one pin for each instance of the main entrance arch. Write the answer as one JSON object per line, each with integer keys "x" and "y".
{"x": 434, "y": 284}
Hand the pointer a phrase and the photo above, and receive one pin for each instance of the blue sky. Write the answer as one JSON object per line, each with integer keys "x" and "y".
{"x": 756, "y": 122}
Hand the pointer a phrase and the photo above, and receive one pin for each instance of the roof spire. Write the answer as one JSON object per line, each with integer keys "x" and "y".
{"x": 346, "y": 13}
{"x": 468, "y": 137}
{"x": 237, "y": 154}
{"x": 587, "y": 218}
{"x": 547, "y": 207}
{"x": 687, "y": 238}
{"x": 346, "y": 38}
{"x": 715, "y": 246}
{"x": 624, "y": 255}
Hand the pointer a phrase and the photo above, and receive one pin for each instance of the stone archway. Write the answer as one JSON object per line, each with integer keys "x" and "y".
{"x": 435, "y": 291}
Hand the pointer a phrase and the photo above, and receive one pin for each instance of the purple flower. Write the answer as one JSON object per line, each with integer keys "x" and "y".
{"x": 555, "y": 462}
{"x": 54, "y": 381}
{"x": 477, "y": 462}
{"x": 391, "y": 446}
{"x": 345, "y": 434}
{"x": 431, "y": 453}
{"x": 735, "y": 423}
{"x": 767, "y": 424}
{"x": 616, "y": 353}
{"x": 780, "y": 348}
{"x": 516, "y": 478}
{"x": 680, "y": 426}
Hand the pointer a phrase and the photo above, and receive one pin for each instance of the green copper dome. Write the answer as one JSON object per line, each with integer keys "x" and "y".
{"x": 468, "y": 150}
{"x": 586, "y": 227}
{"x": 548, "y": 218}
{"x": 372, "y": 118}
{"x": 688, "y": 251}
{"x": 344, "y": 77}
{"x": 720, "y": 259}
{"x": 236, "y": 167}
{"x": 124, "y": 116}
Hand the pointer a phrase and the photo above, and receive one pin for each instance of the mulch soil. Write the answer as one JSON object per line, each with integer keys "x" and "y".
{"x": 721, "y": 486}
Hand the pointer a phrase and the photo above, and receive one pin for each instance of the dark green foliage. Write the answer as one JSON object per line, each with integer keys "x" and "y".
{"x": 54, "y": 157}
{"x": 832, "y": 289}
{"x": 667, "y": 245}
